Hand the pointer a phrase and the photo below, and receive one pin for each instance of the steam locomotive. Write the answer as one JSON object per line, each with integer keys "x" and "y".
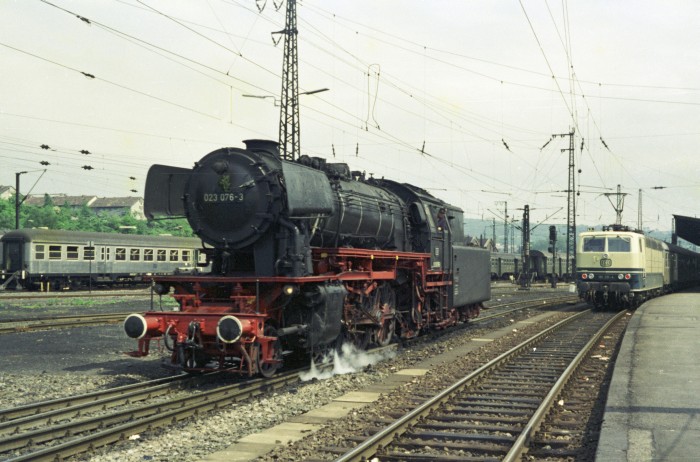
{"x": 304, "y": 254}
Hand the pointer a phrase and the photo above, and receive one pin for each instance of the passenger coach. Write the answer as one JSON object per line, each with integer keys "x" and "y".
{"x": 54, "y": 259}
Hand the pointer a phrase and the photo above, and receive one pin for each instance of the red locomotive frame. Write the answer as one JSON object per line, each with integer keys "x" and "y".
{"x": 221, "y": 318}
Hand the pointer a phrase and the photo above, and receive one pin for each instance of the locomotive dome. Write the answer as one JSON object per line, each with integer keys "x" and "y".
{"x": 233, "y": 195}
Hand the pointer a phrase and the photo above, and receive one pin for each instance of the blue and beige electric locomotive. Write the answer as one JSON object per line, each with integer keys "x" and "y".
{"x": 621, "y": 268}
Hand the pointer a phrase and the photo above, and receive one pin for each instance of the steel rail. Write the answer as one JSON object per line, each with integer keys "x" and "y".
{"x": 14, "y": 326}
{"x": 162, "y": 414}
{"x": 14, "y": 420}
{"x": 369, "y": 447}
{"x": 60, "y": 295}
{"x": 143, "y": 418}
{"x": 522, "y": 443}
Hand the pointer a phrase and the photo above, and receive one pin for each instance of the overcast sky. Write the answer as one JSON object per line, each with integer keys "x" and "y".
{"x": 458, "y": 97}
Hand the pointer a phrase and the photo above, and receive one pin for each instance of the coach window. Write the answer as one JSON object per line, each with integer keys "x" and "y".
{"x": 173, "y": 255}
{"x": 185, "y": 255}
{"x": 72, "y": 252}
{"x": 161, "y": 255}
{"x": 39, "y": 252}
{"x": 54, "y": 252}
{"x": 120, "y": 254}
{"x": 135, "y": 255}
{"x": 147, "y": 254}
{"x": 89, "y": 253}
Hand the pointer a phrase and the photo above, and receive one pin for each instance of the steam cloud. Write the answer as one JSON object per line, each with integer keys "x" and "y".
{"x": 348, "y": 361}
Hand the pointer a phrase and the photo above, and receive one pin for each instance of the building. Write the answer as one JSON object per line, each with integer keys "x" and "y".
{"x": 112, "y": 205}
{"x": 119, "y": 206}
{"x": 60, "y": 200}
{"x": 6, "y": 192}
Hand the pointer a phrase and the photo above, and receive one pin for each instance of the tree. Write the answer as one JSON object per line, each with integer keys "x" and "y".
{"x": 84, "y": 219}
{"x": 7, "y": 213}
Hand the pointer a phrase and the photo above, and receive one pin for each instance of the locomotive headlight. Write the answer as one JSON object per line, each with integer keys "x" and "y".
{"x": 591, "y": 276}
{"x": 290, "y": 289}
{"x": 229, "y": 329}
{"x": 620, "y": 276}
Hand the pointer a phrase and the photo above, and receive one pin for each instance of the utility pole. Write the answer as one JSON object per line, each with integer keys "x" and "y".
{"x": 505, "y": 225}
{"x": 674, "y": 235}
{"x": 525, "y": 274}
{"x": 17, "y": 201}
{"x": 289, "y": 130}
{"x": 493, "y": 235}
{"x": 571, "y": 209}
{"x": 553, "y": 250}
{"x": 289, "y": 127}
{"x": 639, "y": 212}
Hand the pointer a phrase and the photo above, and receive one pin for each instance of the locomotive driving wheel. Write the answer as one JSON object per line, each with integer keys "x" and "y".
{"x": 360, "y": 339}
{"x": 269, "y": 369}
{"x": 384, "y": 309}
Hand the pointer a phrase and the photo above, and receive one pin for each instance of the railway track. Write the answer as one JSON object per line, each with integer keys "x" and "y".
{"x": 492, "y": 413}
{"x": 67, "y": 295}
{"x": 60, "y": 322}
{"x": 40, "y": 431}
{"x": 63, "y": 428}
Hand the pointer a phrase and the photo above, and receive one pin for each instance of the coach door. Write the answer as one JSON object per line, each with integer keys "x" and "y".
{"x": 12, "y": 256}
{"x": 104, "y": 263}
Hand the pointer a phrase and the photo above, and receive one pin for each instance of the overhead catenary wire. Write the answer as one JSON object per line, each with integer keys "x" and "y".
{"x": 484, "y": 132}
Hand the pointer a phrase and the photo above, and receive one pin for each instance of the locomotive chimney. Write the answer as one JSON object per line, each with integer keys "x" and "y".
{"x": 271, "y": 147}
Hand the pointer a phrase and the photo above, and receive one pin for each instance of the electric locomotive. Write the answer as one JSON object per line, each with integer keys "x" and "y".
{"x": 621, "y": 268}
{"x": 305, "y": 254}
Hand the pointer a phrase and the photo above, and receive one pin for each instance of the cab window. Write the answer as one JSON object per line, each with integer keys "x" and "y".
{"x": 593, "y": 244}
{"x": 619, "y": 244}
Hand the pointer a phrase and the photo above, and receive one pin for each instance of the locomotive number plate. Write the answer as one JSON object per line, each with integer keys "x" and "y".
{"x": 605, "y": 262}
{"x": 223, "y": 197}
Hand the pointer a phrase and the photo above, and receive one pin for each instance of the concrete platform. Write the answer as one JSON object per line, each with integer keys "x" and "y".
{"x": 653, "y": 407}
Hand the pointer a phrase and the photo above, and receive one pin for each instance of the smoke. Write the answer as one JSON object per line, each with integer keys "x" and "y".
{"x": 348, "y": 361}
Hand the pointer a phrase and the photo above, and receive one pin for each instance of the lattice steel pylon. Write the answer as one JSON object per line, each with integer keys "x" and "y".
{"x": 289, "y": 131}
{"x": 571, "y": 209}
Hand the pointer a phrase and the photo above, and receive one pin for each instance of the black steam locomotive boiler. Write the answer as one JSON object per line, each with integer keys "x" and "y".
{"x": 304, "y": 255}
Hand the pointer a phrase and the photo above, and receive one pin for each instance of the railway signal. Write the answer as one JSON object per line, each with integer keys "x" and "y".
{"x": 553, "y": 250}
